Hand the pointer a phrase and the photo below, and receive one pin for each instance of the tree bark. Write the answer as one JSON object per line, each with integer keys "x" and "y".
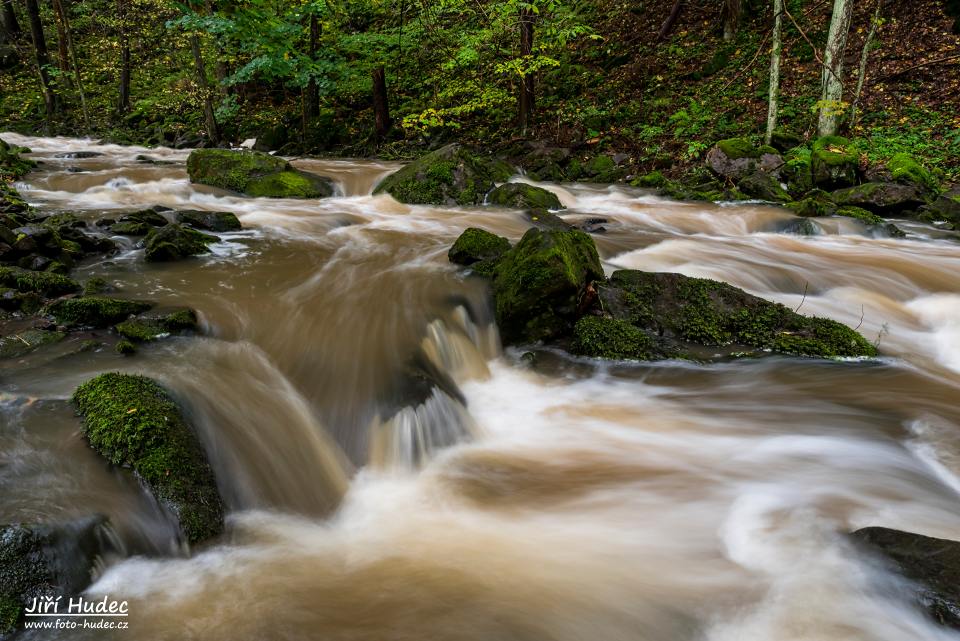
{"x": 123, "y": 103}
{"x": 311, "y": 108}
{"x": 775, "y": 55}
{"x": 864, "y": 56}
{"x": 50, "y": 99}
{"x": 671, "y": 20}
{"x": 832, "y": 78}
{"x": 213, "y": 129}
{"x": 527, "y": 96}
{"x": 10, "y": 23}
{"x": 381, "y": 109}
{"x": 62, "y": 55}
{"x": 68, "y": 37}
{"x": 731, "y": 18}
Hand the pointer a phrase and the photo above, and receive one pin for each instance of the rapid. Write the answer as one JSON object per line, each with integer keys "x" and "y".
{"x": 570, "y": 501}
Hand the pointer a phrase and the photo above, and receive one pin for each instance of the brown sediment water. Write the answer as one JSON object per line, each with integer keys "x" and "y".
{"x": 656, "y": 501}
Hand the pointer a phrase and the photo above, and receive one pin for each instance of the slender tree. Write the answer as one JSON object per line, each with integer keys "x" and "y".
{"x": 776, "y": 52}
{"x": 381, "y": 109}
{"x": 671, "y": 20}
{"x": 213, "y": 129}
{"x": 51, "y": 100}
{"x": 731, "y": 18}
{"x": 527, "y": 96}
{"x": 311, "y": 100}
{"x": 9, "y": 20}
{"x": 123, "y": 103}
{"x": 64, "y": 19}
{"x": 831, "y": 98}
{"x": 864, "y": 56}
{"x": 63, "y": 57}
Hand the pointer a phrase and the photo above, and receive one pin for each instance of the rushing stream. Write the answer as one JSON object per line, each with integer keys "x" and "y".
{"x": 573, "y": 501}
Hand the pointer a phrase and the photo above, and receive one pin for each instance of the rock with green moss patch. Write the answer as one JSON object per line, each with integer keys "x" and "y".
{"x": 43, "y": 283}
{"x": 698, "y": 311}
{"x": 601, "y": 169}
{"x": 817, "y": 203}
{"x": 763, "y": 186}
{"x": 96, "y": 285}
{"x": 611, "y": 338}
{"x": 451, "y": 175}
{"x": 801, "y": 227}
{"x": 905, "y": 169}
{"x": 737, "y": 158}
{"x": 477, "y": 245}
{"x": 152, "y": 216}
{"x": 125, "y": 347}
{"x": 95, "y": 311}
{"x": 784, "y": 140}
{"x": 796, "y": 172}
{"x": 523, "y": 196}
{"x": 219, "y": 221}
{"x": 12, "y": 164}
{"x": 834, "y": 162}
{"x": 131, "y": 228}
{"x": 541, "y": 284}
{"x": 881, "y": 198}
{"x": 174, "y": 242}
{"x": 860, "y": 214}
{"x": 22, "y": 343}
{"x": 650, "y": 181}
{"x": 158, "y": 323}
{"x": 38, "y": 561}
{"x": 255, "y": 174}
{"x": 945, "y": 208}
{"x": 133, "y": 422}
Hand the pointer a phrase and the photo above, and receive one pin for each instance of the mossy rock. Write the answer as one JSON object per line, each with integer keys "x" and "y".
{"x": 601, "y": 169}
{"x": 133, "y": 422}
{"x": 905, "y": 169}
{"x": 125, "y": 347}
{"x": 860, "y": 214}
{"x": 44, "y": 283}
{"x": 96, "y": 285}
{"x": 802, "y": 227}
{"x": 881, "y": 198}
{"x": 22, "y": 343}
{"x": 523, "y": 196}
{"x": 763, "y": 186}
{"x": 12, "y": 165}
{"x": 131, "y": 228}
{"x": 451, "y": 175}
{"x": 796, "y": 171}
{"x": 611, "y": 338}
{"x": 219, "y": 221}
{"x": 151, "y": 216}
{"x": 255, "y": 174}
{"x": 834, "y": 162}
{"x": 817, "y": 203}
{"x": 785, "y": 140}
{"x": 737, "y": 148}
{"x": 37, "y": 561}
{"x": 699, "y": 311}
{"x": 174, "y": 242}
{"x": 477, "y": 245}
{"x": 157, "y": 324}
{"x": 95, "y": 311}
{"x": 652, "y": 180}
{"x": 540, "y": 284}
{"x": 945, "y": 208}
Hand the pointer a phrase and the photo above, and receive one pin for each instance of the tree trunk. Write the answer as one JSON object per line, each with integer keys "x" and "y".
{"x": 123, "y": 104}
{"x": 671, "y": 20}
{"x": 213, "y": 130}
{"x": 527, "y": 97}
{"x": 68, "y": 37}
{"x": 311, "y": 108}
{"x": 381, "y": 110}
{"x": 50, "y": 99}
{"x": 864, "y": 56}
{"x": 10, "y": 23}
{"x": 831, "y": 106}
{"x": 731, "y": 18}
{"x": 62, "y": 55}
{"x": 775, "y": 55}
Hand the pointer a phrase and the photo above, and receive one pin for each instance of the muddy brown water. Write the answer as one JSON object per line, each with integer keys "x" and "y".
{"x": 577, "y": 501}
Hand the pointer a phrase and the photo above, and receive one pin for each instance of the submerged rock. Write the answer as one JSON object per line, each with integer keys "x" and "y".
{"x": 451, "y": 175}
{"x": 934, "y": 564}
{"x": 47, "y": 560}
{"x": 22, "y": 343}
{"x": 174, "y": 242}
{"x": 523, "y": 196}
{"x": 255, "y": 174}
{"x": 209, "y": 220}
{"x": 541, "y": 285}
{"x": 158, "y": 323}
{"x": 132, "y": 422}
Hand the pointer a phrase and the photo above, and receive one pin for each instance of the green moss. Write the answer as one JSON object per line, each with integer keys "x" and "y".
{"x": 211, "y": 220}
{"x": 96, "y": 311}
{"x": 125, "y": 347}
{"x": 822, "y": 337}
{"x": 131, "y": 228}
{"x": 861, "y": 214}
{"x": 763, "y": 186}
{"x": 736, "y": 148}
{"x": 174, "y": 242}
{"x": 602, "y": 337}
{"x": 148, "y": 327}
{"x": 44, "y": 283}
{"x": 289, "y": 184}
{"x": 133, "y": 422}
{"x": 22, "y": 343}
{"x": 834, "y": 162}
{"x": 650, "y": 181}
{"x": 602, "y": 169}
{"x": 96, "y": 285}
{"x": 254, "y": 173}
{"x": 477, "y": 245}
{"x": 817, "y": 203}
{"x": 539, "y": 284}
{"x": 523, "y": 196}
{"x": 905, "y": 168}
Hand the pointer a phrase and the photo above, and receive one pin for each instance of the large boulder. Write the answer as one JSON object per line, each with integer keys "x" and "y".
{"x": 133, "y": 422}
{"x": 523, "y": 196}
{"x": 905, "y": 169}
{"x": 933, "y": 564}
{"x": 762, "y": 185}
{"x": 834, "y": 162}
{"x": 38, "y": 561}
{"x": 451, "y": 175}
{"x": 881, "y": 198}
{"x": 478, "y": 246}
{"x": 219, "y": 221}
{"x": 945, "y": 208}
{"x": 541, "y": 285}
{"x": 174, "y": 242}
{"x": 95, "y": 311}
{"x": 737, "y": 158}
{"x": 255, "y": 174}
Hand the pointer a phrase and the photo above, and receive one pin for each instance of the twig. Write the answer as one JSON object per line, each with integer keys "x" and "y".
{"x": 861, "y": 319}
{"x": 802, "y": 300}
{"x": 922, "y": 64}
